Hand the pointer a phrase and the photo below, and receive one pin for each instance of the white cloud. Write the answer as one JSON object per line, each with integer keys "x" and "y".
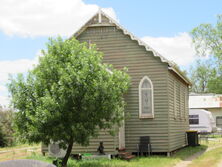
{"x": 111, "y": 13}
{"x": 39, "y": 18}
{"x": 45, "y": 17}
{"x": 3, "y": 88}
{"x": 4, "y": 101}
{"x": 178, "y": 49}
{"x": 12, "y": 67}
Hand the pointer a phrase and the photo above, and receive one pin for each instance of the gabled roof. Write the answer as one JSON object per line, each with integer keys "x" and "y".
{"x": 171, "y": 65}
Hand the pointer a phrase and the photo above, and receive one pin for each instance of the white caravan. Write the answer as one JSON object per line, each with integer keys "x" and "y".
{"x": 201, "y": 121}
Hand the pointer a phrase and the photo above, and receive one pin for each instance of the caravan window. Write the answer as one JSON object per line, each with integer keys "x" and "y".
{"x": 194, "y": 119}
{"x": 219, "y": 121}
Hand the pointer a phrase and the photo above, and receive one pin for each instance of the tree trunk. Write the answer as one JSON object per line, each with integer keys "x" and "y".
{"x": 68, "y": 152}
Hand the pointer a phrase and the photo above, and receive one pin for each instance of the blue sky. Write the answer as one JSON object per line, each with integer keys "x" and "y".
{"x": 164, "y": 25}
{"x": 156, "y": 18}
{"x": 162, "y": 18}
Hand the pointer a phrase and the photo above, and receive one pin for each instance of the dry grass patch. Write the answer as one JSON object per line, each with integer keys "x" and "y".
{"x": 208, "y": 159}
{"x": 18, "y": 152}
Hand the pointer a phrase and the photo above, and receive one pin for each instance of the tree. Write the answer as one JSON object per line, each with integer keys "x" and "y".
{"x": 3, "y": 141}
{"x": 207, "y": 39}
{"x": 69, "y": 96}
{"x": 201, "y": 74}
{"x": 6, "y": 127}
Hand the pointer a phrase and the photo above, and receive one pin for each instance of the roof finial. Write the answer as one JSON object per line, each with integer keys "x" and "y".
{"x": 99, "y": 15}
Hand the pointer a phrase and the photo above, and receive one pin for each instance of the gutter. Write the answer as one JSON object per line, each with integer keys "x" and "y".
{"x": 180, "y": 75}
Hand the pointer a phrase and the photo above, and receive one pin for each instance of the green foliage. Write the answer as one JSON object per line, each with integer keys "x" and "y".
{"x": 69, "y": 95}
{"x": 6, "y": 131}
{"x": 207, "y": 38}
{"x": 201, "y": 74}
{"x": 3, "y": 141}
{"x": 207, "y": 41}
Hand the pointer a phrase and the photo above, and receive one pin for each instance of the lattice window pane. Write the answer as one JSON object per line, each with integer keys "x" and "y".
{"x": 146, "y": 101}
{"x": 146, "y": 84}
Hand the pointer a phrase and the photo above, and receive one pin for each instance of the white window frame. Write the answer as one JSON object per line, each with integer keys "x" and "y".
{"x": 142, "y": 115}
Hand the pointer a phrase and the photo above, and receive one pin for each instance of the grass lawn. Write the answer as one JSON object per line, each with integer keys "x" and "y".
{"x": 153, "y": 161}
{"x": 209, "y": 159}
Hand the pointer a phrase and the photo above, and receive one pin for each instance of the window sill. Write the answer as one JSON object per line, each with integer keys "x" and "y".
{"x": 146, "y": 116}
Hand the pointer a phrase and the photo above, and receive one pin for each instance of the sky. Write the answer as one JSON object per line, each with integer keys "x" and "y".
{"x": 26, "y": 25}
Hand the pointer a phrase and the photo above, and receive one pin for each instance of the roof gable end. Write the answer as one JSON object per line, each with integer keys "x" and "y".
{"x": 102, "y": 19}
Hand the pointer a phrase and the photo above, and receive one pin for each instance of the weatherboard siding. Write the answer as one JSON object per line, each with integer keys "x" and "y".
{"x": 166, "y": 131}
{"x": 121, "y": 51}
{"x": 178, "y": 123}
{"x": 110, "y": 144}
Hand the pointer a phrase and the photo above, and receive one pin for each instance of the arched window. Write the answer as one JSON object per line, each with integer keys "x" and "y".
{"x": 146, "y": 98}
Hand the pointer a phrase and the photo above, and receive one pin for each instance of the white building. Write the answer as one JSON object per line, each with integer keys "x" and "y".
{"x": 209, "y": 102}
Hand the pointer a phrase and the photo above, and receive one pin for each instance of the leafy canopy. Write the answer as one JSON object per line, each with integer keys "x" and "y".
{"x": 6, "y": 126}
{"x": 69, "y": 94}
{"x": 207, "y": 39}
